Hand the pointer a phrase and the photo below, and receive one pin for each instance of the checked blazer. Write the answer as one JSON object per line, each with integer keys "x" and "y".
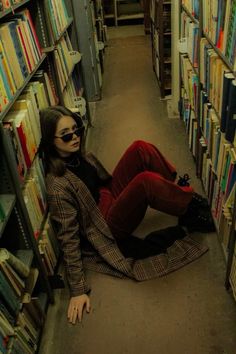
{"x": 77, "y": 218}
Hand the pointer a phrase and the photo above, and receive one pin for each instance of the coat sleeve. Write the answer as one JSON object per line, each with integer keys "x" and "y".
{"x": 64, "y": 216}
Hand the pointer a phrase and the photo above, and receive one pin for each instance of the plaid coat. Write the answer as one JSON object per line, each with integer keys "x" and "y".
{"x": 75, "y": 216}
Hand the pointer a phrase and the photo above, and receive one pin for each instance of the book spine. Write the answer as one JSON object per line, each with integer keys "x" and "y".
{"x": 20, "y": 57}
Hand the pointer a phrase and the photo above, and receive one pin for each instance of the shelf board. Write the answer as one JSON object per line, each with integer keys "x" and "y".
{"x": 195, "y": 69}
{"x": 130, "y": 16}
{"x": 109, "y": 15}
{"x": 221, "y": 55}
{"x": 194, "y": 19}
{"x": 7, "y": 202}
{"x": 18, "y": 92}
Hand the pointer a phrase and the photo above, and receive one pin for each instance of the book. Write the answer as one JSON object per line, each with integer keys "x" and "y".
{"x": 3, "y": 344}
{"x": 13, "y": 33}
{"x": 30, "y": 34}
{"x": 231, "y": 113}
{"x": 14, "y": 142}
{"x": 26, "y": 105}
{"x": 34, "y": 310}
{"x": 12, "y": 53}
{"x": 12, "y": 301}
{"x": 15, "y": 262}
{"x": 45, "y": 40}
{"x": 228, "y": 77}
{"x": 19, "y": 123}
{"x": 13, "y": 278}
{"x": 24, "y": 47}
{"x": 5, "y": 326}
{"x": 24, "y": 321}
{"x": 2, "y": 213}
{"x": 7, "y": 68}
{"x": 27, "y": 15}
{"x": 5, "y": 80}
{"x": 7, "y": 311}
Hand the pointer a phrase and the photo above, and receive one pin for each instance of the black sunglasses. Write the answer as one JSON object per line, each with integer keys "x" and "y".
{"x": 69, "y": 136}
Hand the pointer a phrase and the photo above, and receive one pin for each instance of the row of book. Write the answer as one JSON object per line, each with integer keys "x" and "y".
{"x": 63, "y": 55}
{"x": 73, "y": 91}
{"x": 190, "y": 81}
{"x": 219, "y": 23}
{"x": 219, "y": 182}
{"x": 193, "y": 7}
{"x": 208, "y": 109}
{"x": 190, "y": 33}
{"x": 34, "y": 193}
{"x": 22, "y": 122}
{"x": 21, "y": 316}
{"x": 19, "y": 54}
{"x": 219, "y": 88}
{"x": 48, "y": 248}
{"x": 58, "y": 19}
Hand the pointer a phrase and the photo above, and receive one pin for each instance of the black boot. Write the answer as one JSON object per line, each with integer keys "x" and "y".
{"x": 197, "y": 219}
{"x": 198, "y": 202}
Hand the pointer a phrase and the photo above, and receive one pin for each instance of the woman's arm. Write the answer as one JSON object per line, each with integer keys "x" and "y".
{"x": 64, "y": 215}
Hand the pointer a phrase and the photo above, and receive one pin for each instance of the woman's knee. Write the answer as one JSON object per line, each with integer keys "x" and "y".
{"x": 139, "y": 143}
{"x": 148, "y": 177}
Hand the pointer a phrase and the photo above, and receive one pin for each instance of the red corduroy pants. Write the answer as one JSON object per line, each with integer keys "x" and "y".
{"x": 142, "y": 178}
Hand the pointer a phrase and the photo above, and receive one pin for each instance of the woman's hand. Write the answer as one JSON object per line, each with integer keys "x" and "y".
{"x": 76, "y": 307}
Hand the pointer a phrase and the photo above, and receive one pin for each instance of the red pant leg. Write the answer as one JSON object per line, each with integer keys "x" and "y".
{"x": 142, "y": 178}
{"x": 146, "y": 189}
{"x": 139, "y": 157}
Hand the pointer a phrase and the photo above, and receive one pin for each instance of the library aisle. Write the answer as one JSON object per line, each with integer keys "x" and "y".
{"x": 186, "y": 312}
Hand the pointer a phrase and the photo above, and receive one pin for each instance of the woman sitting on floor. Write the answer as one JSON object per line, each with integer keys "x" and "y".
{"x": 95, "y": 213}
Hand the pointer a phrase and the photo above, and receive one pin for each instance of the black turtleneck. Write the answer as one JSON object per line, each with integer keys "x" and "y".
{"x": 86, "y": 172}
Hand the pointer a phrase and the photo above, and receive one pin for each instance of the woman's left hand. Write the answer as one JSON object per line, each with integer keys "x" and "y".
{"x": 76, "y": 307}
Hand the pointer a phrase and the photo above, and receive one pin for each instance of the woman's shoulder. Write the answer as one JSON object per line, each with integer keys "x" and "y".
{"x": 56, "y": 183}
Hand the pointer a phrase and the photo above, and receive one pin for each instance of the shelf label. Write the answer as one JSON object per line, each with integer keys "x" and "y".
{"x": 75, "y": 56}
{"x": 80, "y": 104}
{"x": 182, "y": 45}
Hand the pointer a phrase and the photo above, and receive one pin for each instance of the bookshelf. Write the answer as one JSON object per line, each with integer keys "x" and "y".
{"x": 31, "y": 79}
{"x": 207, "y": 96}
{"x": 160, "y": 14}
{"x": 124, "y": 10}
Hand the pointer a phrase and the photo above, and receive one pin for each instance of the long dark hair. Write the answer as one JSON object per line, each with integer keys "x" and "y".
{"x": 49, "y": 118}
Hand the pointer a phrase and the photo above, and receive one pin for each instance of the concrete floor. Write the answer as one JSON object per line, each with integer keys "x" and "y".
{"x": 186, "y": 312}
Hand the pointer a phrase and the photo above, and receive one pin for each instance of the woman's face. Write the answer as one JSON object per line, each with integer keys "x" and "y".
{"x": 67, "y": 129}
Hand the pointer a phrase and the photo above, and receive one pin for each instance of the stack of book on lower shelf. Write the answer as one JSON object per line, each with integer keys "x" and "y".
{"x": 21, "y": 316}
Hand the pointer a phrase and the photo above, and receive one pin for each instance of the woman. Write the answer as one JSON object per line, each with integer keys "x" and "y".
{"x": 93, "y": 211}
